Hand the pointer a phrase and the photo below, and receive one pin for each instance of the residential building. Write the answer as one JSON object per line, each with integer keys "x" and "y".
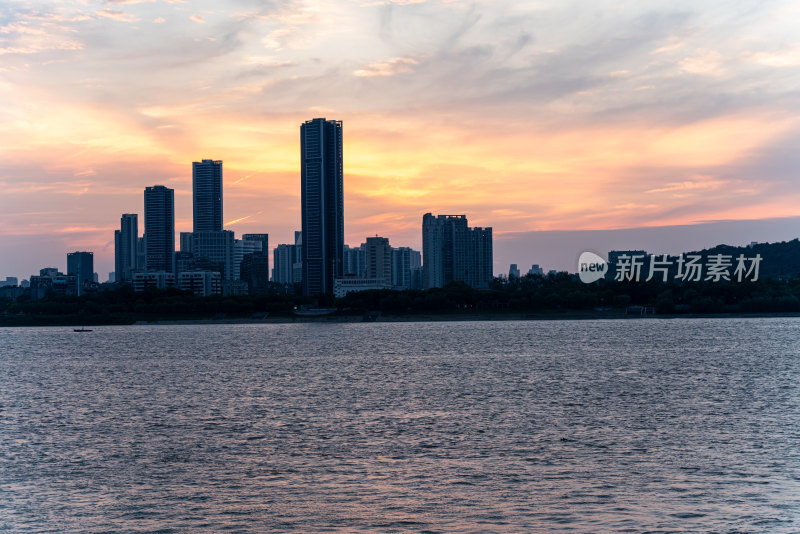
{"x": 159, "y": 228}
{"x": 378, "y": 256}
{"x": 283, "y": 259}
{"x": 404, "y": 261}
{"x": 355, "y": 261}
{"x": 207, "y": 195}
{"x": 452, "y": 251}
{"x": 322, "y": 203}
{"x": 125, "y": 243}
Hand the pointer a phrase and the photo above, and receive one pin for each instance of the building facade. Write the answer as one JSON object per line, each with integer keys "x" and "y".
{"x": 207, "y": 195}
{"x": 452, "y": 251}
{"x": 378, "y": 255}
{"x": 283, "y": 259}
{"x": 159, "y": 228}
{"x": 215, "y": 249}
{"x": 125, "y": 242}
{"x": 322, "y": 203}
{"x": 404, "y": 262}
{"x": 81, "y": 265}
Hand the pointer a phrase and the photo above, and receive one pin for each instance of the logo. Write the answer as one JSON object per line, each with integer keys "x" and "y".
{"x": 591, "y": 267}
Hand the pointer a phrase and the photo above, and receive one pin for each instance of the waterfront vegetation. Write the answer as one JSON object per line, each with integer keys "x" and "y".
{"x": 556, "y": 295}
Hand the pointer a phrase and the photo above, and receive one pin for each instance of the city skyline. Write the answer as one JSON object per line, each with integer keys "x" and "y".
{"x": 539, "y": 120}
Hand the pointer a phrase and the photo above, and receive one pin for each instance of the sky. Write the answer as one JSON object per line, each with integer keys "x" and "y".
{"x": 542, "y": 119}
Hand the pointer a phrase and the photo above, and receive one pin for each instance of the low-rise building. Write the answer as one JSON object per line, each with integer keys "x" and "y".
{"x": 201, "y": 283}
{"x": 343, "y": 286}
{"x": 153, "y": 280}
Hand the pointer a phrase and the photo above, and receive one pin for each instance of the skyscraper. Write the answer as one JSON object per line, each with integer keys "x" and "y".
{"x": 159, "y": 228}
{"x": 81, "y": 265}
{"x": 207, "y": 195}
{"x": 125, "y": 247}
{"x": 452, "y": 251}
{"x": 322, "y": 202}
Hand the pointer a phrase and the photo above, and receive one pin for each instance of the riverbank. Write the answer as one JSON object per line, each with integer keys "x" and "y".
{"x": 68, "y": 321}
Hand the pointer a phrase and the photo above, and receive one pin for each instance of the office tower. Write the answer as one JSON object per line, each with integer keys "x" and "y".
{"x": 81, "y": 264}
{"x": 261, "y": 238}
{"x": 125, "y": 241}
{"x": 513, "y": 271}
{"x": 452, "y": 251}
{"x": 404, "y": 262}
{"x": 214, "y": 251}
{"x": 322, "y": 203}
{"x": 379, "y": 258}
{"x": 207, "y": 195}
{"x": 159, "y": 228}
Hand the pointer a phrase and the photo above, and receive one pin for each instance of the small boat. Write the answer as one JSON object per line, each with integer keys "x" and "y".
{"x": 82, "y": 330}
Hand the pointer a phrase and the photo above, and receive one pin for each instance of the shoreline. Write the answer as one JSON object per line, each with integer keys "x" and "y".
{"x": 421, "y": 318}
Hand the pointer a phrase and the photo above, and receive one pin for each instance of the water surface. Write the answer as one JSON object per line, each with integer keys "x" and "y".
{"x": 575, "y": 426}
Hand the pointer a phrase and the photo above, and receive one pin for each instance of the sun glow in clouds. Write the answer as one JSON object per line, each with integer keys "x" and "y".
{"x": 523, "y": 116}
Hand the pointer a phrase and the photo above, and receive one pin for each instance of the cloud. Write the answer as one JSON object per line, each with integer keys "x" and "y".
{"x": 119, "y": 2}
{"x": 392, "y": 67}
{"x": 113, "y": 14}
{"x": 198, "y": 19}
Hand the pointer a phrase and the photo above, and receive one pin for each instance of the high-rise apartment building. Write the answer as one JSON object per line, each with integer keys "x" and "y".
{"x": 452, "y": 251}
{"x": 283, "y": 260}
{"x": 159, "y": 228}
{"x": 125, "y": 241}
{"x": 322, "y": 202}
{"x": 378, "y": 255}
{"x": 355, "y": 262}
{"x": 207, "y": 195}
{"x": 404, "y": 263}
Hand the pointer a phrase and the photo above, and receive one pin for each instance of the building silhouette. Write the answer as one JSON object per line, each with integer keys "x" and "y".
{"x": 378, "y": 255}
{"x": 81, "y": 266}
{"x": 125, "y": 241}
{"x": 207, "y": 195}
{"x": 215, "y": 251}
{"x": 404, "y": 262}
{"x": 452, "y": 251}
{"x": 159, "y": 228}
{"x": 322, "y": 203}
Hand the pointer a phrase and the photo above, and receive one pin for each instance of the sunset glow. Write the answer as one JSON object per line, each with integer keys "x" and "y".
{"x": 526, "y": 116}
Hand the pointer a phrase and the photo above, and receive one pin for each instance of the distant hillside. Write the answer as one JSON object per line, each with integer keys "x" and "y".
{"x": 778, "y": 260}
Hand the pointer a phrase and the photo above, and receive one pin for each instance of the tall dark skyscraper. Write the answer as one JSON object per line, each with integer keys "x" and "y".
{"x": 322, "y": 200}
{"x": 207, "y": 195}
{"x": 452, "y": 251}
{"x": 159, "y": 228}
{"x": 81, "y": 265}
{"x": 125, "y": 247}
